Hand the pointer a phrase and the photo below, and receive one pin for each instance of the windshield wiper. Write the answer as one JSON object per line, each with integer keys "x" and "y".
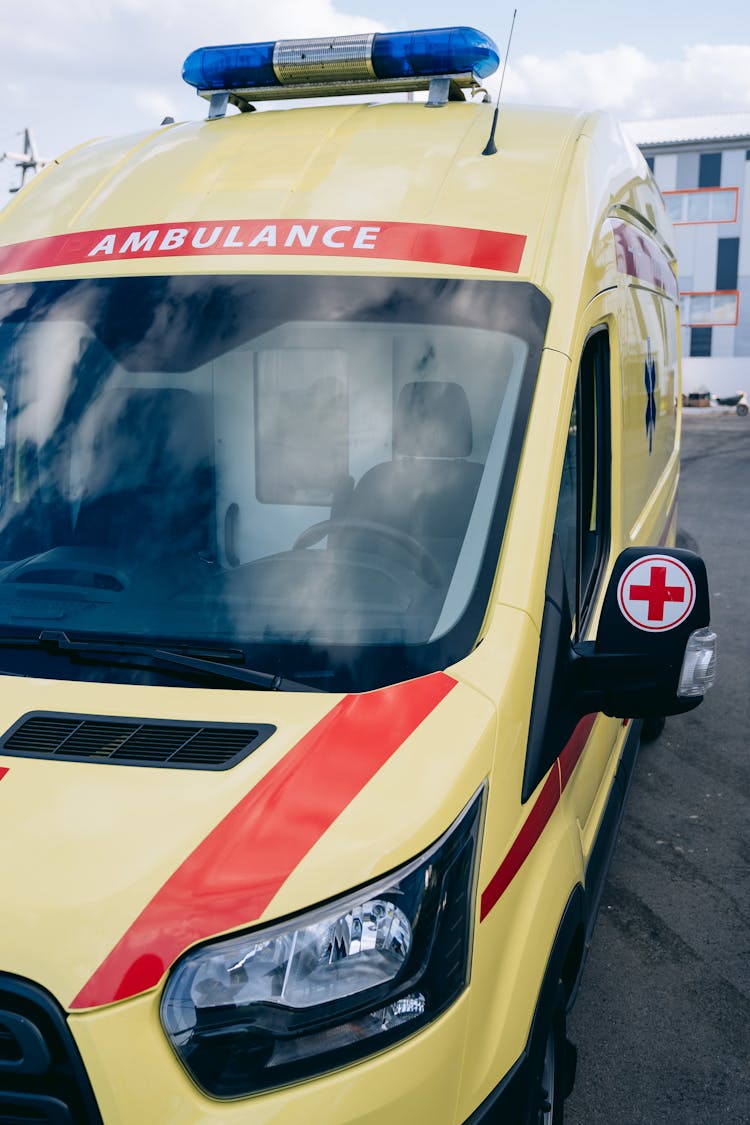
{"x": 55, "y": 640}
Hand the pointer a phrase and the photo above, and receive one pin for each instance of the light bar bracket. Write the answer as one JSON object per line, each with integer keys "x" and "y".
{"x": 442, "y": 88}
{"x": 218, "y": 102}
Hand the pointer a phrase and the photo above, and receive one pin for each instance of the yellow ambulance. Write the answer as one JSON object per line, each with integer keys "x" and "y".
{"x": 340, "y": 450}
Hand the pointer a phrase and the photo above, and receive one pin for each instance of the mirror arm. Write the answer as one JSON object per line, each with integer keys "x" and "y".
{"x": 616, "y": 683}
{"x": 591, "y": 670}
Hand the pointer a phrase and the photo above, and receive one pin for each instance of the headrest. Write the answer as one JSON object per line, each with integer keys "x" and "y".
{"x": 432, "y": 420}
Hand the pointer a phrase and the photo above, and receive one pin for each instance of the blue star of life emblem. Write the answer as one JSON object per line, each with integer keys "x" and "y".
{"x": 650, "y": 380}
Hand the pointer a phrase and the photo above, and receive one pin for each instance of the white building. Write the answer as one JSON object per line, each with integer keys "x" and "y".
{"x": 702, "y": 165}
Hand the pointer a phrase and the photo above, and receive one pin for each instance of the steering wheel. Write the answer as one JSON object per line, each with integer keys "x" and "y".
{"x": 428, "y": 564}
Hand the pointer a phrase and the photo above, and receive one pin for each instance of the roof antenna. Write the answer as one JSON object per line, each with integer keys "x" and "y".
{"x": 491, "y": 148}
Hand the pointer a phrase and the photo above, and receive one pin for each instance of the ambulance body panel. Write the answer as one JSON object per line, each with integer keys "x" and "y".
{"x": 307, "y": 166}
{"x": 121, "y": 876}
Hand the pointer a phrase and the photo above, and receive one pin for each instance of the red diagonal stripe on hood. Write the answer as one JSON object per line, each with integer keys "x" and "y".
{"x": 231, "y": 877}
{"x": 3, "y": 771}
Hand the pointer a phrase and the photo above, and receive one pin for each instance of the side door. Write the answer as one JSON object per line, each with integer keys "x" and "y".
{"x": 586, "y": 752}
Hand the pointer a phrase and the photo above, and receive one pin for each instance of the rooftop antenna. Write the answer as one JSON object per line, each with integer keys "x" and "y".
{"x": 28, "y": 161}
{"x": 491, "y": 148}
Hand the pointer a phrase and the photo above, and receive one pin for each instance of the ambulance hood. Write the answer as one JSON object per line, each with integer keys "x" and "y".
{"x": 112, "y": 871}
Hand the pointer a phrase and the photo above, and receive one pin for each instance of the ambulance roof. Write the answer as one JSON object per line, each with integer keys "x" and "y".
{"x": 350, "y": 163}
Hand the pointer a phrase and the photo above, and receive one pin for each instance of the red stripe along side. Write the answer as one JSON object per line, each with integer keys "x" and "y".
{"x": 522, "y": 846}
{"x": 573, "y": 749}
{"x": 3, "y": 771}
{"x": 231, "y": 877}
{"x": 538, "y": 818}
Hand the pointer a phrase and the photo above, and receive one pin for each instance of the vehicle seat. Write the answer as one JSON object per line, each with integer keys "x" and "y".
{"x": 428, "y": 489}
{"x": 150, "y": 483}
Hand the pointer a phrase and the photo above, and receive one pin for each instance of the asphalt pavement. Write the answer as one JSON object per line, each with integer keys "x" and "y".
{"x": 662, "y": 1021}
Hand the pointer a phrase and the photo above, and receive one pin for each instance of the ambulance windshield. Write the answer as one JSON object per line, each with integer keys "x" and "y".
{"x": 309, "y": 473}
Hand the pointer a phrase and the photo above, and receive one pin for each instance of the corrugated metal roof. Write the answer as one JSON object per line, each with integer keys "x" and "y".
{"x": 678, "y": 130}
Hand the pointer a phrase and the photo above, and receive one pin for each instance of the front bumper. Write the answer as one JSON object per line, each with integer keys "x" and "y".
{"x": 44, "y": 1077}
{"x": 138, "y": 1080}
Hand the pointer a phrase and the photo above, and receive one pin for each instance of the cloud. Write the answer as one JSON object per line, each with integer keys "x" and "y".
{"x": 127, "y": 39}
{"x": 706, "y": 79}
{"x": 85, "y": 68}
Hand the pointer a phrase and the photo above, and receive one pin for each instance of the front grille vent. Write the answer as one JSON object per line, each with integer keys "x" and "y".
{"x": 132, "y": 742}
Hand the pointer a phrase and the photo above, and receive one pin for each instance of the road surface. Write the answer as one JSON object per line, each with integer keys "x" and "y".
{"x": 662, "y": 1021}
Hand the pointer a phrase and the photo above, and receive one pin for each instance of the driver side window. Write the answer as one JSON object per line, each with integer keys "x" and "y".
{"x": 582, "y": 521}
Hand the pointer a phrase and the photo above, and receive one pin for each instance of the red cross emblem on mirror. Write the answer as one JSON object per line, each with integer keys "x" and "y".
{"x": 656, "y": 593}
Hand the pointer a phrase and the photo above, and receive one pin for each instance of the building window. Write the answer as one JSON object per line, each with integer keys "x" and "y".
{"x": 727, "y": 261}
{"x": 703, "y": 205}
{"x": 710, "y": 308}
{"x": 709, "y": 171}
{"x": 700, "y": 341}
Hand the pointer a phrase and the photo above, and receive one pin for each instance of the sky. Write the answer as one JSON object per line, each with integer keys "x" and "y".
{"x": 88, "y": 68}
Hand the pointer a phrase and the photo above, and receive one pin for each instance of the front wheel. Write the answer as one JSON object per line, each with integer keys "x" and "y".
{"x": 652, "y": 728}
{"x": 554, "y": 1073}
{"x": 742, "y": 409}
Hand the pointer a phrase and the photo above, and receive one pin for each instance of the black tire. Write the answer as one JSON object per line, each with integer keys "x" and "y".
{"x": 554, "y": 1069}
{"x": 652, "y": 728}
{"x": 742, "y": 409}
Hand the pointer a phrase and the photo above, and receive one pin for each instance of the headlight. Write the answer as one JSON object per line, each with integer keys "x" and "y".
{"x": 270, "y": 1007}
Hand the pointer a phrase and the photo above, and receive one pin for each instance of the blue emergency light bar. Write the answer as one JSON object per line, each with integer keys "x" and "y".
{"x": 401, "y": 60}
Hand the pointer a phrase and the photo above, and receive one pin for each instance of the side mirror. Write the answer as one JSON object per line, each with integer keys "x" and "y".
{"x": 654, "y": 653}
